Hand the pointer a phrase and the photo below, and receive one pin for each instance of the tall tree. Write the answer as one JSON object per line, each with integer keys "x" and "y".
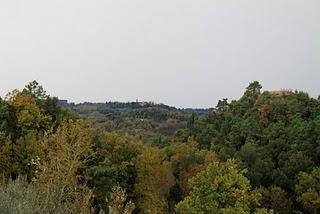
{"x": 153, "y": 182}
{"x": 219, "y": 188}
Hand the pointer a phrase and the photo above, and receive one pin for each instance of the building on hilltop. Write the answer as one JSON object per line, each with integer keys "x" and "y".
{"x": 281, "y": 93}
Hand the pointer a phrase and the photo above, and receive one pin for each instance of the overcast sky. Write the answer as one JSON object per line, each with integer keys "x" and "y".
{"x": 186, "y": 53}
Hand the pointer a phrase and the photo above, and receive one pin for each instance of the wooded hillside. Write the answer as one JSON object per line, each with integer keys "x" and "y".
{"x": 258, "y": 154}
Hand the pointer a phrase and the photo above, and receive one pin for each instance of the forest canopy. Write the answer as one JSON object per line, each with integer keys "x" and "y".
{"x": 258, "y": 154}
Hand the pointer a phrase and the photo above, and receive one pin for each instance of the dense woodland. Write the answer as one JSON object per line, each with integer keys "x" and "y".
{"x": 259, "y": 154}
{"x": 152, "y": 123}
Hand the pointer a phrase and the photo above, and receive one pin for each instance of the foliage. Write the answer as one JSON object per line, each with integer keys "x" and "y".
{"x": 59, "y": 171}
{"x": 276, "y": 199}
{"x": 20, "y": 196}
{"x": 118, "y": 202}
{"x": 153, "y": 182}
{"x": 186, "y": 160}
{"x": 219, "y": 188}
{"x": 152, "y": 123}
{"x": 275, "y": 135}
{"x": 151, "y": 158}
{"x": 113, "y": 164}
{"x": 308, "y": 190}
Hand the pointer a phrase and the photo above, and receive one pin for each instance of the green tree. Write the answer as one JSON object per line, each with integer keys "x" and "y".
{"x": 113, "y": 164}
{"x": 219, "y": 188}
{"x": 259, "y": 165}
{"x": 254, "y": 89}
{"x": 101, "y": 178}
{"x": 46, "y": 102}
{"x": 308, "y": 190}
{"x": 186, "y": 160}
{"x": 276, "y": 199}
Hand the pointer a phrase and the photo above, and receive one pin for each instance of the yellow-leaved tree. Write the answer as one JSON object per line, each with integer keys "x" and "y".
{"x": 153, "y": 182}
{"x": 59, "y": 172}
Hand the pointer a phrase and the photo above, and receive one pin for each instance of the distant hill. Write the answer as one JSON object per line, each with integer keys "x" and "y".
{"x": 147, "y": 120}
